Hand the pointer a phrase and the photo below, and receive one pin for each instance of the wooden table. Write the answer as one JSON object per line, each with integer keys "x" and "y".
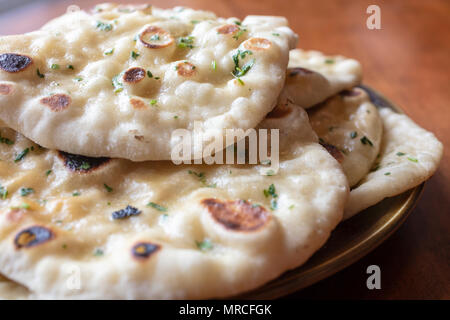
{"x": 409, "y": 61}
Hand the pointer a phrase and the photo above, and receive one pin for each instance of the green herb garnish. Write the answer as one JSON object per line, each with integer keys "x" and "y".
{"x": 48, "y": 172}
{"x": 134, "y": 55}
{"x": 214, "y": 65}
{"x": 22, "y": 155}
{"x": 153, "y": 102}
{"x": 271, "y": 193}
{"x": 98, "y": 252}
{"x": 118, "y": 86}
{"x": 413, "y": 159}
{"x": 69, "y": 66}
{"x": 155, "y": 37}
{"x": 85, "y": 165}
{"x": 3, "y": 192}
{"x": 104, "y": 26}
{"x": 149, "y": 74}
{"x": 365, "y": 140}
{"x": 78, "y": 79}
{"x": 387, "y": 173}
{"x": 40, "y": 75}
{"x": 400, "y": 154}
{"x": 76, "y": 194}
{"x": 329, "y": 61}
{"x": 55, "y": 66}
{"x": 204, "y": 245}
{"x": 26, "y": 191}
{"x": 185, "y": 42}
{"x": 109, "y": 52}
{"x": 6, "y": 140}
{"x": 108, "y": 188}
{"x": 156, "y": 206}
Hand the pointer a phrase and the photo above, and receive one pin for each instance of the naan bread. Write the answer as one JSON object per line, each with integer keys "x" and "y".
{"x": 156, "y": 230}
{"x": 10, "y": 290}
{"x": 350, "y": 128}
{"x": 409, "y": 156}
{"x": 118, "y": 82}
{"x": 312, "y": 76}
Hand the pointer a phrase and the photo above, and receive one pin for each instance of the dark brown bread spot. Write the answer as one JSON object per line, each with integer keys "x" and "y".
{"x": 228, "y": 29}
{"x": 81, "y": 164}
{"x": 165, "y": 39}
{"x": 134, "y": 75}
{"x": 57, "y": 102}
{"x": 13, "y": 62}
{"x": 257, "y": 44}
{"x": 333, "y": 150}
{"x": 143, "y": 250}
{"x": 185, "y": 69}
{"x": 5, "y": 89}
{"x": 298, "y": 71}
{"x": 238, "y": 215}
{"x": 32, "y": 236}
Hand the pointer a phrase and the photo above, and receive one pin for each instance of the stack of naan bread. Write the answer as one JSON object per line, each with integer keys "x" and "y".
{"x": 91, "y": 205}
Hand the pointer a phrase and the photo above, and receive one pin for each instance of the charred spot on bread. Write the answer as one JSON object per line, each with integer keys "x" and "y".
{"x": 143, "y": 250}
{"x": 33, "y": 236}
{"x": 237, "y": 215}
{"x": 13, "y": 62}
{"x": 80, "y": 163}
{"x": 57, "y": 102}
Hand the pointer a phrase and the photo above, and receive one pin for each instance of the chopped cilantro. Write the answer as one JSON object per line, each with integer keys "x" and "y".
{"x": 76, "y": 194}
{"x": 239, "y": 33}
{"x": 104, "y": 26}
{"x": 3, "y": 192}
{"x": 26, "y": 191}
{"x": 6, "y": 140}
{"x": 55, "y": 66}
{"x": 98, "y": 252}
{"x": 108, "y": 188}
{"x": 118, "y": 86}
{"x": 109, "y": 52}
{"x": 22, "y": 155}
{"x": 194, "y": 21}
{"x": 365, "y": 140}
{"x": 153, "y": 102}
{"x": 387, "y": 173}
{"x": 85, "y": 165}
{"x": 69, "y": 66}
{"x": 48, "y": 172}
{"x": 329, "y": 61}
{"x": 134, "y": 55}
{"x": 156, "y": 206}
{"x": 400, "y": 154}
{"x": 413, "y": 159}
{"x": 149, "y": 74}
{"x": 276, "y": 34}
{"x": 204, "y": 245}
{"x": 40, "y": 75}
{"x": 214, "y": 65}
{"x": 271, "y": 192}
{"x": 185, "y": 42}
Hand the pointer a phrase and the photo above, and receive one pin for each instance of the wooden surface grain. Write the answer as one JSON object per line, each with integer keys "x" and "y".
{"x": 408, "y": 60}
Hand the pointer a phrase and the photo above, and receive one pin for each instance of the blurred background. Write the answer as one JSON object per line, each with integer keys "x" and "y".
{"x": 408, "y": 60}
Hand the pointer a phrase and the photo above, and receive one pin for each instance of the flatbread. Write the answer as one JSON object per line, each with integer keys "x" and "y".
{"x": 111, "y": 228}
{"x": 313, "y": 76}
{"x": 10, "y": 290}
{"x": 409, "y": 156}
{"x": 117, "y": 82}
{"x": 350, "y": 127}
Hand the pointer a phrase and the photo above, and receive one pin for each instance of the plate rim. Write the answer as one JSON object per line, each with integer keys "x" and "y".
{"x": 285, "y": 284}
